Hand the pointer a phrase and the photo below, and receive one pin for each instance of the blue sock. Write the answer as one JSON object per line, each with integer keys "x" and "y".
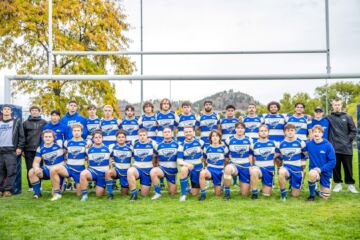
{"x": 134, "y": 192}
{"x": 203, "y": 192}
{"x": 235, "y": 180}
{"x": 183, "y": 185}
{"x": 57, "y": 191}
{"x": 36, "y": 188}
{"x": 312, "y": 188}
{"x": 283, "y": 192}
{"x": 227, "y": 190}
{"x": 109, "y": 186}
{"x": 157, "y": 189}
{"x": 162, "y": 181}
{"x": 84, "y": 192}
{"x": 255, "y": 192}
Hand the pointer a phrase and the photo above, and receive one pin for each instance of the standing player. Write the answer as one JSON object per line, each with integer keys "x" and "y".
{"x": 52, "y": 155}
{"x": 99, "y": 158}
{"x": 322, "y": 162}
{"x": 252, "y": 122}
{"x": 240, "y": 160}
{"x": 148, "y": 120}
{"x": 130, "y": 124}
{"x": 121, "y": 155}
{"x": 263, "y": 158}
{"x": 57, "y": 127}
{"x": 300, "y": 121}
{"x": 216, "y": 157}
{"x": 275, "y": 122}
{"x": 165, "y": 118}
{"x": 109, "y": 126}
{"x": 189, "y": 158}
{"x": 144, "y": 156}
{"x": 93, "y": 122}
{"x": 293, "y": 154}
{"x": 71, "y": 117}
{"x": 228, "y": 123}
{"x": 319, "y": 119}
{"x": 76, "y": 152}
{"x": 185, "y": 119}
{"x": 208, "y": 122}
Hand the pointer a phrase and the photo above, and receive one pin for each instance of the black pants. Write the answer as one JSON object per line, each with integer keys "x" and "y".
{"x": 346, "y": 161}
{"x": 7, "y": 171}
{"x": 29, "y": 159}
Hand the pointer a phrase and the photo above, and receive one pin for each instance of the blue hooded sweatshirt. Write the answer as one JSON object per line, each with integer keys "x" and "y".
{"x": 322, "y": 155}
{"x": 68, "y": 120}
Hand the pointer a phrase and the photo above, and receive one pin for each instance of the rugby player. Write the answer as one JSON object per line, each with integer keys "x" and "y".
{"x": 130, "y": 124}
{"x": 228, "y": 123}
{"x": 252, "y": 122}
{"x": 186, "y": 118}
{"x": 275, "y": 122}
{"x": 208, "y": 122}
{"x": 109, "y": 126}
{"x": 148, "y": 120}
{"x": 165, "y": 118}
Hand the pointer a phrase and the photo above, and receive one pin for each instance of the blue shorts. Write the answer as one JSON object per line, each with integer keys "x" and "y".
{"x": 46, "y": 173}
{"x": 144, "y": 176}
{"x": 170, "y": 174}
{"x": 295, "y": 178}
{"x": 122, "y": 176}
{"x": 244, "y": 174}
{"x": 267, "y": 177}
{"x": 325, "y": 179}
{"x": 216, "y": 175}
{"x": 73, "y": 173}
{"x": 98, "y": 177}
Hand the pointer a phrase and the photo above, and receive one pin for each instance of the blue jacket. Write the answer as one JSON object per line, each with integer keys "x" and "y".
{"x": 69, "y": 120}
{"x": 322, "y": 155}
{"x": 59, "y": 129}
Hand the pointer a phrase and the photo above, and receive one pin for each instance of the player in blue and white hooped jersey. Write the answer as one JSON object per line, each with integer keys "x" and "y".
{"x": 109, "y": 126}
{"x": 292, "y": 153}
{"x": 75, "y": 149}
{"x": 252, "y": 122}
{"x": 301, "y": 121}
{"x": 186, "y": 118}
{"x": 130, "y": 124}
{"x": 263, "y": 160}
{"x": 322, "y": 162}
{"x": 166, "y": 152}
{"x": 208, "y": 121}
{"x": 319, "y": 119}
{"x": 228, "y": 123}
{"x": 93, "y": 122}
{"x": 144, "y": 156}
{"x": 148, "y": 120}
{"x": 190, "y": 161}
{"x": 99, "y": 160}
{"x": 275, "y": 122}
{"x": 216, "y": 157}
{"x": 165, "y": 118}
{"x": 52, "y": 155}
{"x": 240, "y": 160}
{"x": 121, "y": 155}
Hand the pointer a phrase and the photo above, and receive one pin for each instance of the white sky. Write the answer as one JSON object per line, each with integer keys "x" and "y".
{"x": 206, "y": 25}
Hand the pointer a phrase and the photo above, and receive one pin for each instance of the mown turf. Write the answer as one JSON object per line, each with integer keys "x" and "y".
{"x": 240, "y": 218}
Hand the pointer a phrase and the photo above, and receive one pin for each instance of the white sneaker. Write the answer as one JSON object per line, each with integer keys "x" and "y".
{"x": 30, "y": 190}
{"x": 337, "y": 188}
{"x": 156, "y": 196}
{"x": 352, "y": 189}
{"x": 56, "y": 197}
{"x": 182, "y": 198}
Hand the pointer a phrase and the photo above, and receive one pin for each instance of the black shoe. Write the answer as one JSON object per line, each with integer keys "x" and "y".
{"x": 68, "y": 186}
{"x": 317, "y": 192}
{"x": 133, "y": 198}
{"x": 227, "y": 197}
{"x": 254, "y": 196}
{"x": 202, "y": 198}
{"x": 90, "y": 185}
{"x": 310, "y": 199}
{"x": 111, "y": 197}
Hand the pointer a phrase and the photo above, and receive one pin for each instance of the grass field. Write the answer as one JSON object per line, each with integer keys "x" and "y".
{"x": 167, "y": 218}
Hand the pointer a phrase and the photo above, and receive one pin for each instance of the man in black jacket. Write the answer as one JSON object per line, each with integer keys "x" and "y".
{"x": 11, "y": 145}
{"x": 32, "y": 129}
{"x": 342, "y": 132}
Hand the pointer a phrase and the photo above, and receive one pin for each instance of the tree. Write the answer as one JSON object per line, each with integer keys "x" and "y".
{"x": 77, "y": 25}
{"x": 288, "y": 102}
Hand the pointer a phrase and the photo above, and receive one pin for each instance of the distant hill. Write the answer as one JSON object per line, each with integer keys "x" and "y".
{"x": 221, "y": 100}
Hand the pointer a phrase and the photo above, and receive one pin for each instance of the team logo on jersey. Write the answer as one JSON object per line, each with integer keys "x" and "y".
{"x": 122, "y": 155}
{"x": 143, "y": 153}
{"x": 107, "y": 128}
{"x": 209, "y": 123}
{"x": 130, "y": 128}
{"x": 98, "y": 158}
{"x": 265, "y": 152}
{"x": 214, "y": 157}
{"x": 148, "y": 124}
{"x": 187, "y": 123}
{"x": 273, "y": 122}
{"x": 289, "y": 153}
{"x": 91, "y": 129}
{"x": 51, "y": 157}
{"x": 251, "y": 126}
{"x": 76, "y": 151}
{"x": 191, "y": 152}
{"x": 241, "y": 150}
{"x": 167, "y": 153}
{"x": 166, "y": 122}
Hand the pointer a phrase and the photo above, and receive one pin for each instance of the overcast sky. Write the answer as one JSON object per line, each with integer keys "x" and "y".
{"x": 205, "y": 25}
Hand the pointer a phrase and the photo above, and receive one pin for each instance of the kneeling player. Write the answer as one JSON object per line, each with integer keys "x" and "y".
{"x": 240, "y": 160}
{"x": 99, "y": 157}
{"x": 75, "y": 164}
{"x": 143, "y": 155}
{"x": 263, "y": 157}
{"x": 52, "y": 155}
{"x": 322, "y": 161}
{"x": 216, "y": 156}
{"x": 166, "y": 152}
{"x": 189, "y": 158}
{"x": 121, "y": 154}
{"x": 292, "y": 152}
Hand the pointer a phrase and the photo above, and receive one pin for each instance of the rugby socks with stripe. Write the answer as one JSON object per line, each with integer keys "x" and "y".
{"x": 312, "y": 186}
{"x": 203, "y": 192}
{"x": 57, "y": 191}
{"x": 36, "y": 188}
{"x": 255, "y": 192}
{"x": 84, "y": 192}
{"x": 134, "y": 192}
{"x": 109, "y": 186}
{"x": 227, "y": 190}
{"x": 283, "y": 192}
{"x": 183, "y": 185}
{"x": 157, "y": 188}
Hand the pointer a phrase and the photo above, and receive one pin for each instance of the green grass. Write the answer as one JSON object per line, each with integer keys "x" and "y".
{"x": 240, "y": 218}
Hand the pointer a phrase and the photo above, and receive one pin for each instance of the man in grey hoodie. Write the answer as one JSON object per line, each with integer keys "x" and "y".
{"x": 342, "y": 133}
